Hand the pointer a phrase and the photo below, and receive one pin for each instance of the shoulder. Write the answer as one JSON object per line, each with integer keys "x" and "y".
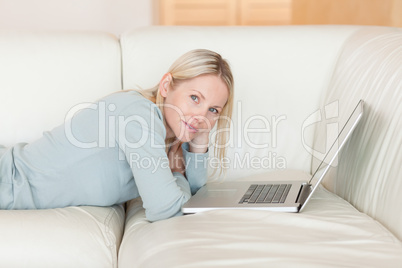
{"x": 125, "y": 97}
{"x": 130, "y": 102}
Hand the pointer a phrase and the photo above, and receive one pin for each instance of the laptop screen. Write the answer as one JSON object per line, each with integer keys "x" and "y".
{"x": 331, "y": 156}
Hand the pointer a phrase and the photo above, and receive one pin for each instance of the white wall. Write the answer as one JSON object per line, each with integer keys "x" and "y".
{"x": 114, "y": 16}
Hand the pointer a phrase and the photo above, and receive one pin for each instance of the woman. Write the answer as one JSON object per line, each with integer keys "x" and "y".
{"x": 128, "y": 144}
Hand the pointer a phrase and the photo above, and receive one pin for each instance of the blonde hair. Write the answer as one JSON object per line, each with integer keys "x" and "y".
{"x": 190, "y": 65}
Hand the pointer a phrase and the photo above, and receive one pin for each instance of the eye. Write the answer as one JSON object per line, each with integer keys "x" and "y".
{"x": 213, "y": 110}
{"x": 194, "y": 98}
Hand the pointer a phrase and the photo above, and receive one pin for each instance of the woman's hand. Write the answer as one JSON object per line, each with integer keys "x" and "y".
{"x": 176, "y": 160}
{"x": 200, "y": 142}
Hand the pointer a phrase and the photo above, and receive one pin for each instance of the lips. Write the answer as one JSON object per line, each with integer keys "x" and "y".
{"x": 190, "y": 127}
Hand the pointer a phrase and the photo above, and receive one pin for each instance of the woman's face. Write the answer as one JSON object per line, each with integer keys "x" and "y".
{"x": 193, "y": 106}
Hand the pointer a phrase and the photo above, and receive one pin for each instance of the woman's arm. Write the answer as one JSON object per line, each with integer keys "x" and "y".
{"x": 192, "y": 165}
{"x": 196, "y": 168}
{"x": 143, "y": 142}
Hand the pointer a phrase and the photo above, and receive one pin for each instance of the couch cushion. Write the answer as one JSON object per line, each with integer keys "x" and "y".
{"x": 369, "y": 171}
{"x": 68, "y": 237}
{"x": 44, "y": 74}
{"x": 328, "y": 233}
{"x": 279, "y": 73}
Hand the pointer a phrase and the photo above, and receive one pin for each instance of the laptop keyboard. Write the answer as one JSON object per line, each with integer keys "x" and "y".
{"x": 266, "y": 193}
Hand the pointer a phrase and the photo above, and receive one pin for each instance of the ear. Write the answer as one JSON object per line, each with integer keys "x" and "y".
{"x": 164, "y": 84}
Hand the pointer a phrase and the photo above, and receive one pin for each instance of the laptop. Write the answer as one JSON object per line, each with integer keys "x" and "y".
{"x": 285, "y": 196}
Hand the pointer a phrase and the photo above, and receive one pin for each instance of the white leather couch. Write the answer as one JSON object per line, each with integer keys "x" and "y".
{"x": 284, "y": 77}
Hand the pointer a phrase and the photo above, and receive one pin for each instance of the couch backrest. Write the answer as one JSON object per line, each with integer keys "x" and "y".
{"x": 369, "y": 172}
{"x": 44, "y": 74}
{"x": 280, "y": 74}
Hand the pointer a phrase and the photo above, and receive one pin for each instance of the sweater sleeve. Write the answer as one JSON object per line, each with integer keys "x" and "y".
{"x": 142, "y": 140}
{"x": 196, "y": 168}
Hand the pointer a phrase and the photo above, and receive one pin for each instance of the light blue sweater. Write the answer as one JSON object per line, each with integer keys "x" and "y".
{"x": 108, "y": 153}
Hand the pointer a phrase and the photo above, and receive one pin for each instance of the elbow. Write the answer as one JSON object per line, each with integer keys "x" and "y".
{"x": 166, "y": 210}
{"x": 158, "y": 217}
{"x": 154, "y": 217}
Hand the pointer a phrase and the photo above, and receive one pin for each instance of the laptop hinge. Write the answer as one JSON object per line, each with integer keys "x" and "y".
{"x": 304, "y": 192}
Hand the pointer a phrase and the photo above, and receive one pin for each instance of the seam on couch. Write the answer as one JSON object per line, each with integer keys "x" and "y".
{"x": 121, "y": 63}
{"x": 110, "y": 239}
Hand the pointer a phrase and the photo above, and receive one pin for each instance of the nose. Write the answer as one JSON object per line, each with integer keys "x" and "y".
{"x": 201, "y": 119}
